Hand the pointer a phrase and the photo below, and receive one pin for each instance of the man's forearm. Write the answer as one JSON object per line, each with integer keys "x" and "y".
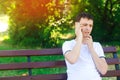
{"x": 100, "y": 63}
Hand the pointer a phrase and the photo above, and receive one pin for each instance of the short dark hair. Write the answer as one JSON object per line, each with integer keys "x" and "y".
{"x": 83, "y": 15}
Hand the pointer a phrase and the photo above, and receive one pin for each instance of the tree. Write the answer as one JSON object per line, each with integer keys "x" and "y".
{"x": 106, "y": 14}
{"x": 29, "y": 20}
{"x": 45, "y": 22}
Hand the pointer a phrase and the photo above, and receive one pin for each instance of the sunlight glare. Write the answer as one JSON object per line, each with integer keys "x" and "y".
{"x": 3, "y": 26}
{"x": 3, "y": 23}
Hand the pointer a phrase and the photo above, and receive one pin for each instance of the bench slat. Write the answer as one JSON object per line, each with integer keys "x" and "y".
{"x": 61, "y": 76}
{"x": 15, "y": 66}
{"x": 51, "y": 64}
{"x": 112, "y": 61}
{"x": 112, "y": 73}
{"x": 109, "y": 49}
{"x": 43, "y": 52}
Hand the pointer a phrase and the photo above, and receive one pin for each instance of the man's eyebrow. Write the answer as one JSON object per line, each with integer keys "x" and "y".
{"x": 84, "y": 24}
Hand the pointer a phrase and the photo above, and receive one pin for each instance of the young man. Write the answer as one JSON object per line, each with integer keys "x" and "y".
{"x": 84, "y": 58}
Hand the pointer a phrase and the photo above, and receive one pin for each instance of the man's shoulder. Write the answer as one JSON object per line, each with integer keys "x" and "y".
{"x": 96, "y": 43}
{"x": 69, "y": 41}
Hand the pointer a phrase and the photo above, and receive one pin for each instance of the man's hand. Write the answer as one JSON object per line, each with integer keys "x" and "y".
{"x": 89, "y": 41}
{"x": 78, "y": 31}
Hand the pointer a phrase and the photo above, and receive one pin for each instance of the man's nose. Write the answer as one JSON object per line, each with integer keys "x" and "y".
{"x": 87, "y": 27}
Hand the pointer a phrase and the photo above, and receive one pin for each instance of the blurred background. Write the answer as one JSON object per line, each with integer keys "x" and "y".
{"x": 48, "y": 23}
{"x": 36, "y": 24}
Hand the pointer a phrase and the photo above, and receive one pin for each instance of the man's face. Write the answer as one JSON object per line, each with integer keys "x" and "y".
{"x": 86, "y": 26}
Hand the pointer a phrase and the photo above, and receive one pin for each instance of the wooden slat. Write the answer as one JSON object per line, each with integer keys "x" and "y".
{"x": 15, "y": 66}
{"x": 112, "y": 73}
{"x": 109, "y": 49}
{"x": 112, "y": 61}
{"x": 61, "y": 76}
{"x": 50, "y": 77}
{"x": 51, "y": 64}
{"x": 43, "y": 52}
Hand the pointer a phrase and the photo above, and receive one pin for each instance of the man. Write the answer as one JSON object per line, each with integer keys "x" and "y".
{"x": 84, "y": 58}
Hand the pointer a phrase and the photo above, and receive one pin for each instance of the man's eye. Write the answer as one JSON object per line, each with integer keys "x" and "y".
{"x": 91, "y": 25}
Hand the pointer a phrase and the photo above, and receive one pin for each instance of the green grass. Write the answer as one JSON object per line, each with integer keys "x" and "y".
{"x": 4, "y": 46}
{"x": 34, "y": 71}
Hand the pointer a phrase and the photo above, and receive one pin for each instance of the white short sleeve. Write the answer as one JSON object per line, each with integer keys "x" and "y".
{"x": 99, "y": 50}
{"x": 67, "y": 46}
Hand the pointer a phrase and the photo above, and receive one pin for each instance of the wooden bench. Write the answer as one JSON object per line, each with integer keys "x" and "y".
{"x": 50, "y": 64}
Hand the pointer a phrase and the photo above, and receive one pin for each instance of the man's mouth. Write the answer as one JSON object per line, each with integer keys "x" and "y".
{"x": 86, "y": 32}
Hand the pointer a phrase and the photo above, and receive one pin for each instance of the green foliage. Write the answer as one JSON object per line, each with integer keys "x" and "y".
{"x": 44, "y": 23}
{"x": 106, "y": 17}
{"x": 29, "y": 23}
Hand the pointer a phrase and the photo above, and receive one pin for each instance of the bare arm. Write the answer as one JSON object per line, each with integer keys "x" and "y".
{"x": 73, "y": 55}
{"x": 100, "y": 63}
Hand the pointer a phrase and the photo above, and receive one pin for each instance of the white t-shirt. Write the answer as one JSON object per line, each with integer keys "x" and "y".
{"x": 84, "y": 68}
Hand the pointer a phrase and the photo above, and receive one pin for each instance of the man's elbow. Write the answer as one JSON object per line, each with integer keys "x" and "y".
{"x": 104, "y": 71}
{"x": 71, "y": 60}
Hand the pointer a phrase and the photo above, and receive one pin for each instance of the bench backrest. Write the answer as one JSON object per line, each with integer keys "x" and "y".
{"x": 49, "y": 64}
